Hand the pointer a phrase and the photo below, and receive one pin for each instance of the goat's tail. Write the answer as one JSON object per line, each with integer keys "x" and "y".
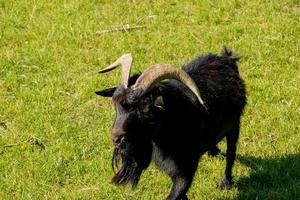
{"x": 227, "y": 53}
{"x": 230, "y": 57}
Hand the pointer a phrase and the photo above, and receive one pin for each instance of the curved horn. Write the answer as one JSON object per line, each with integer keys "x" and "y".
{"x": 159, "y": 72}
{"x": 125, "y": 61}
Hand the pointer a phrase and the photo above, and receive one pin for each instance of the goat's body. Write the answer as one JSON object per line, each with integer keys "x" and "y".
{"x": 185, "y": 131}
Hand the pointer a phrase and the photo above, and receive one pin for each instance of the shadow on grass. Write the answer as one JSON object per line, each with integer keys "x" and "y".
{"x": 274, "y": 178}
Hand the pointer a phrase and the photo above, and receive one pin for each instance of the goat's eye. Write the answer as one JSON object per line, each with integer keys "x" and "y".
{"x": 146, "y": 109}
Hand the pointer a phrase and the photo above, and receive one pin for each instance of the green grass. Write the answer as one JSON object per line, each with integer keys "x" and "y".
{"x": 55, "y": 132}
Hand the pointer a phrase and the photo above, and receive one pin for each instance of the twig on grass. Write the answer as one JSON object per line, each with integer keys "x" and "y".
{"x": 31, "y": 140}
{"x": 125, "y": 28}
{"x": 11, "y": 145}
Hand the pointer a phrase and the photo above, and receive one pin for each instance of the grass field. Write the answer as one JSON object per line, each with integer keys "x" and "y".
{"x": 55, "y": 132}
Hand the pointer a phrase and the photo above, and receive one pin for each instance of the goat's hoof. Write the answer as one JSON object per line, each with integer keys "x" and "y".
{"x": 214, "y": 151}
{"x": 225, "y": 184}
{"x": 184, "y": 197}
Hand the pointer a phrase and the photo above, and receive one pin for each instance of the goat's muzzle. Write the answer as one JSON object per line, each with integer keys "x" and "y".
{"x": 117, "y": 136}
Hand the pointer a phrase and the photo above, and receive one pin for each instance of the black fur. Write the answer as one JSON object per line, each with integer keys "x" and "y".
{"x": 169, "y": 126}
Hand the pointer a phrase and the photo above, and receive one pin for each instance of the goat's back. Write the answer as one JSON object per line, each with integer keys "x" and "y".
{"x": 219, "y": 81}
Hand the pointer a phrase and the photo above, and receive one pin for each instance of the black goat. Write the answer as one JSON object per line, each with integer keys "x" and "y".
{"x": 161, "y": 116}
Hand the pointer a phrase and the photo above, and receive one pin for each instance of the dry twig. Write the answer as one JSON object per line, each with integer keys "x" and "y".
{"x": 32, "y": 140}
{"x": 10, "y": 145}
{"x": 125, "y": 28}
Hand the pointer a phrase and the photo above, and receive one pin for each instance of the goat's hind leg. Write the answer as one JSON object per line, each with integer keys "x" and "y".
{"x": 179, "y": 188}
{"x": 214, "y": 151}
{"x": 231, "y": 139}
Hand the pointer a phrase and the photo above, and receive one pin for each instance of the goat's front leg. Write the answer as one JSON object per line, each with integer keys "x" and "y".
{"x": 179, "y": 188}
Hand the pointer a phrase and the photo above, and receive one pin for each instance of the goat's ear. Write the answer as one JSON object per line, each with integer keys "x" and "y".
{"x": 106, "y": 92}
{"x": 159, "y": 103}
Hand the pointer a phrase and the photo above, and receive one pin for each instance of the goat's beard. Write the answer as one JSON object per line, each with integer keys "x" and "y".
{"x": 130, "y": 161}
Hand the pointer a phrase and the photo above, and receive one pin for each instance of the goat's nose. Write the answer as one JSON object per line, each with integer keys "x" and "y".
{"x": 117, "y": 135}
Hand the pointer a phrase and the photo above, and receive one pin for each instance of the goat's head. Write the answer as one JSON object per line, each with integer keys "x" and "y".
{"x": 136, "y": 106}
